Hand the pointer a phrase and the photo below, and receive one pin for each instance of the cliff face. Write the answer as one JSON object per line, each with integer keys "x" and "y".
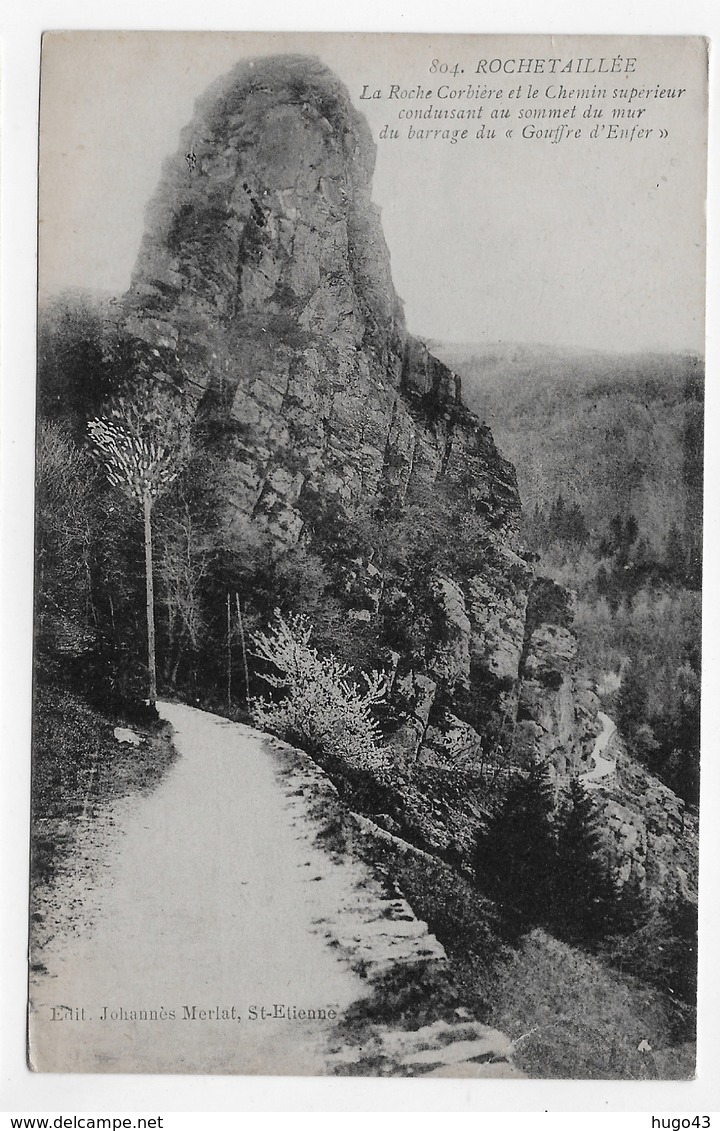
{"x": 265, "y": 271}
{"x": 264, "y": 263}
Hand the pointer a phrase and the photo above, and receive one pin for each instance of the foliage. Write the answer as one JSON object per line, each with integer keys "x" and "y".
{"x": 141, "y": 441}
{"x": 570, "y": 1016}
{"x": 663, "y": 950}
{"x": 78, "y": 763}
{"x": 517, "y": 854}
{"x": 566, "y": 1011}
{"x": 568, "y": 889}
{"x": 76, "y": 374}
{"x": 64, "y": 507}
{"x": 542, "y": 859}
{"x": 636, "y": 610}
{"x": 638, "y": 629}
{"x": 658, "y": 714}
{"x": 561, "y": 522}
{"x": 635, "y": 420}
{"x": 184, "y": 559}
{"x": 322, "y": 706}
{"x": 91, "y": 366}
{"x": 87, "y": 355}
{"x": 608, "y": 452}
{"x": 585, "y": 899}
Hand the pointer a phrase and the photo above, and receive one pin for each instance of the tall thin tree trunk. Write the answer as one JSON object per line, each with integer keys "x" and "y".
{"x": 176, "y": 665}
{"x": 150, "y": 600}
{"x": 112, "y": 618}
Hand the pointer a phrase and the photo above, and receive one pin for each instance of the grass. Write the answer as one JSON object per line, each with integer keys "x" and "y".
{"x": 77, "y": 764}
{"x": 568, "y": 1014}
{"x": 571, "y": 1017}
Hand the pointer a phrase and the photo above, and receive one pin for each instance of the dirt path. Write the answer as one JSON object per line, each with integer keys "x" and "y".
{"x": 201, "y": 895}
{"x": 603, "y": 767}
{"x": 208, "y": 927}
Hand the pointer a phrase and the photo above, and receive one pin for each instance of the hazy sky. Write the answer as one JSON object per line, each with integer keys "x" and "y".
{"x": 596, "y": 244}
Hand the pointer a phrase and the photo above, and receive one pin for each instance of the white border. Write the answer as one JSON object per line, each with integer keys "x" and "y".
{"x": 21, "y": 1091}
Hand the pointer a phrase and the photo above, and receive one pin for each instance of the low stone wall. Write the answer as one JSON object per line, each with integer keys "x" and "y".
{"x": 377, "y": 932}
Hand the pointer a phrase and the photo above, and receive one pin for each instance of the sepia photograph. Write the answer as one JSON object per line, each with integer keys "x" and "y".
{"x": 368, "y": 555}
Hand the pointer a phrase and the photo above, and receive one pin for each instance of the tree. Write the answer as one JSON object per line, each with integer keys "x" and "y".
{"x": 516, "y": 857}
{"x": 322, "y": 705}
{"x": 185, "y": 556}
{"x": 602, "y": 582}
{"x": 140, "y": 444}
{"x": 76, "y": 373}
{"x": 631, "y": 530}
{"x": 679, "y": 728}
{"x": 675, "y": 557}
{"x": 632, "y": 706}
{"x": 584, "y": 892}
{"x": 64, "y": 535}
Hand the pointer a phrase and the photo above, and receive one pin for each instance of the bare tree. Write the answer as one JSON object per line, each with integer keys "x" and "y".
{"x": 184, "y": 559}
{"x": 64, "y": 535}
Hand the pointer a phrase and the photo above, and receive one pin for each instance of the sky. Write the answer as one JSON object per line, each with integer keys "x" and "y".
{"x": 585, "y": 243}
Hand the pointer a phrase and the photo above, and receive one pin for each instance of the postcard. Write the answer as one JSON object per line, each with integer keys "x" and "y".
{"x": 369, "y": 471}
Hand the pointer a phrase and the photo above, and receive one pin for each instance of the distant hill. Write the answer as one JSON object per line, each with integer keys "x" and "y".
{"x": 608, "y": 452}
{"x": 614, "y": 433}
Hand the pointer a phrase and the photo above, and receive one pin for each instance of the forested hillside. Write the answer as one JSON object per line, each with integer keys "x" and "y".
{"x": 608, "y": 452}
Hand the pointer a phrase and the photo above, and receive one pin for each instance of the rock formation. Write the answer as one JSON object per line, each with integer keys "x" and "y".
{"x": 264, "y": 271}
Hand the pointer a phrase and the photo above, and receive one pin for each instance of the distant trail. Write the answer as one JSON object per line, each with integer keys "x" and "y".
{"x": 603, "y": 767}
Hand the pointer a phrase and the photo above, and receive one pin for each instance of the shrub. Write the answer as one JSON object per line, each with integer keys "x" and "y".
{"x": 322, "y": 707}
